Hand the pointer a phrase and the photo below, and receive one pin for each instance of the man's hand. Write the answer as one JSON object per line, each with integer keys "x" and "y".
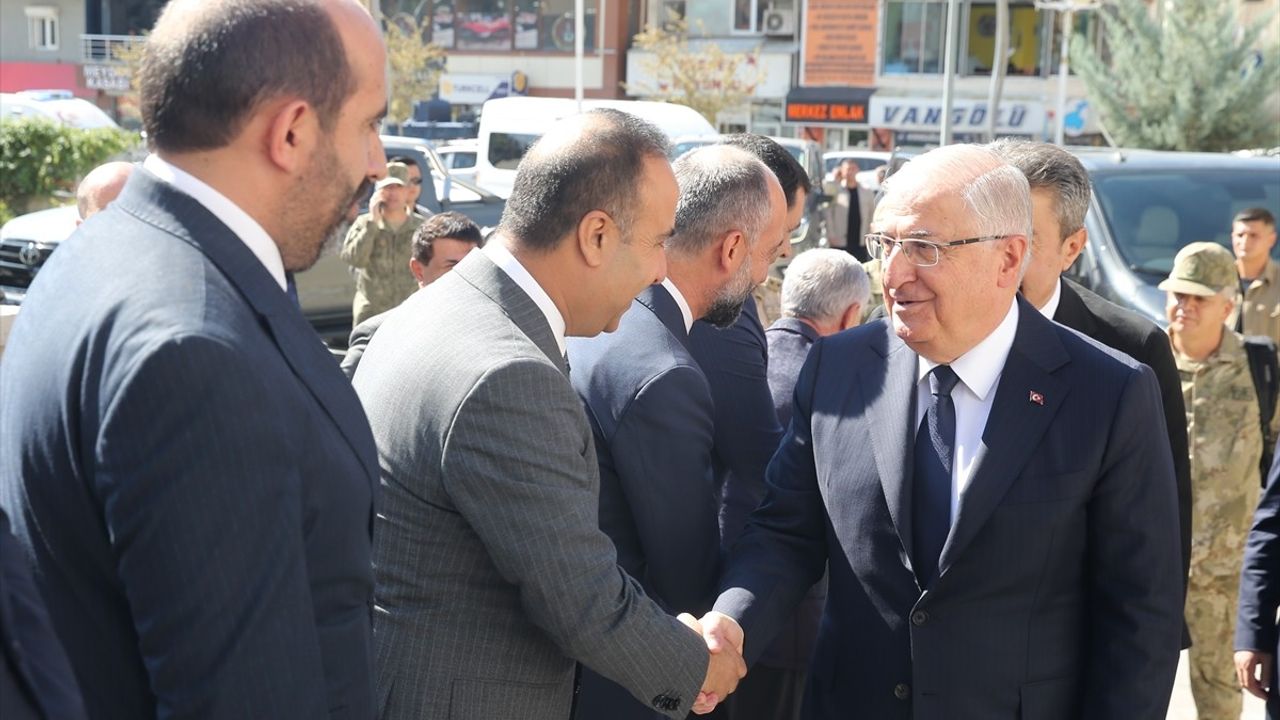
{"x": 724, "y": 640}
{"x": 377, "y": 206}
{"x": 1253, "y": 669}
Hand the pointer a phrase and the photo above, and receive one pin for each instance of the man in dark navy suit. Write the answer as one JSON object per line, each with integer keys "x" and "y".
{"x": 186, "y": 466}
{"x": 1257, "y": 630}
{"x": 648, "y": 402}
{"x": 999, "y": 525}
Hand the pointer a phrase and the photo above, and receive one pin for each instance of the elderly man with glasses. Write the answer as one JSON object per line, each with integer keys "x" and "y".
{"x": 998, "y": 519}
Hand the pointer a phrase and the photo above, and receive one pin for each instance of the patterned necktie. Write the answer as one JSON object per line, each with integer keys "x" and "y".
{"x": 931, "y": 497}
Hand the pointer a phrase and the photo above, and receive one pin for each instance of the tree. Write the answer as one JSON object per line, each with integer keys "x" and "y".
{"x": 705, "y": 78}
{"x": 413, "y": 65}
{"x": 1194, "y": 80}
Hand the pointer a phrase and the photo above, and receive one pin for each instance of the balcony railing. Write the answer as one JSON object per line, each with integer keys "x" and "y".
{"x": 104, "y": 49}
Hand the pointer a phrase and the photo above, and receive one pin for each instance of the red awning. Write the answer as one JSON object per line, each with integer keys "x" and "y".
{"x": 16, "y": 76}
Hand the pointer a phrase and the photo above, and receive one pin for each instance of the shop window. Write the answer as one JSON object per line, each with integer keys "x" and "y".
{"x": 913, "y": 37}
{"x": 1026, "y": 31}
{"x": 549, "y": 25}
{"x": 442, "y": 24}
{"x": 42, "y": 27}
{"x": 482, "y": 24}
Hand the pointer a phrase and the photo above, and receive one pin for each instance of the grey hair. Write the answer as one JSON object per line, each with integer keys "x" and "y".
{"x": 722, "y": 188}
{"x": 821, "y": 284}
{"x": 1049, "y": 167}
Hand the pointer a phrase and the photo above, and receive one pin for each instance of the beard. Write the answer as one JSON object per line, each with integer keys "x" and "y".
{"x": 727, "y": 304}
{"x": 318, "y": 207}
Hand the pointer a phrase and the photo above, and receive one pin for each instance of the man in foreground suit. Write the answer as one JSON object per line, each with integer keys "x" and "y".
{"x": 439, "y": 243}
{"x": 647, "y": 400}
{"x": 190, "y": 472}
{"x": 493, "y": 576}
{"x": 1257, "y": 631}
{"x": 1014, "y": 557}
{"x": 1059, "y": 200}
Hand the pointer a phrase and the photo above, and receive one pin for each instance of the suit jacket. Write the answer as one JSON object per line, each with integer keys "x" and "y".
{"x": 360, "y": 336}
{"x": 1057, "y": 595}
{"x": 736, "y": 362}
{"x": 1139, "y": 338}
{"x": 492, "y": 573}
{"x": 191, "y": 473}
{"x": 35, "y": 677}
{"x": 1256, "y": 626}
{"x": 789, "y": 343}
{"x": 651, "y": 418}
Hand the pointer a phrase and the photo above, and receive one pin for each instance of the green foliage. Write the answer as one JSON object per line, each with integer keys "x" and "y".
{"x": 39, "y": 158}
{"x": 1193, "y": 82}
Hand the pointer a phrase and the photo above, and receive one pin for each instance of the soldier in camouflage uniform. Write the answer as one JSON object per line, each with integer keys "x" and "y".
{"x": 379, "y": 244}
{"x": 1225, "y": 445}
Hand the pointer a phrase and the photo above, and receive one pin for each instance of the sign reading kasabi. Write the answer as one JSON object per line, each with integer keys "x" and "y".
{"x": 826, "y": 112}
{"x": 923, "y": 115}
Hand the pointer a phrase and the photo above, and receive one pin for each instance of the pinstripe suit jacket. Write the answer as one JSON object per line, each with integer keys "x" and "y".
{"x": 492, "y": 574}
{"x": 191, "y": 473}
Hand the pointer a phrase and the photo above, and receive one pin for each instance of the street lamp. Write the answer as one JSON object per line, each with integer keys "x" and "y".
{"x": 1066, "y": 10}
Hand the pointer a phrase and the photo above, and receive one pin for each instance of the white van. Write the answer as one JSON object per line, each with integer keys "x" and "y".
{"x": 508, "y": 126}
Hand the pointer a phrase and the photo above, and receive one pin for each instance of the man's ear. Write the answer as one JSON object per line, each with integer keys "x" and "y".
{"x": 292, "y": 135}
{"x": 596, "y": 234}
{"x": 733, "y": 251}
{"x": 1012, "y": 251}
{"x": 1072, "y": 247}
{"x": 418, "y": 269}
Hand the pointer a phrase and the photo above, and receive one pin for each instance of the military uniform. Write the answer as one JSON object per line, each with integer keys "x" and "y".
{"x": 1225, "y": 445}
{"x": 1260, "y": 305}
{"x": 380, "y": 254}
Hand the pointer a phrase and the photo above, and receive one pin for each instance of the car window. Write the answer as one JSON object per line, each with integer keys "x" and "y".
{"x": 507, "y": 149}
{"x": 1154, "y": 213}
{"x": 865, "y": 164}
{"x": 463, "y": 160}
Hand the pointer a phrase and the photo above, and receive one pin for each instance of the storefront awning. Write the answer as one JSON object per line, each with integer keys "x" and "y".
{"x": 828, "y": 105}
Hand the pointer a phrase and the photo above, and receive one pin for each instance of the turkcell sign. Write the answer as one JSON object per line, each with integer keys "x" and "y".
{"x": 967, "y": 115}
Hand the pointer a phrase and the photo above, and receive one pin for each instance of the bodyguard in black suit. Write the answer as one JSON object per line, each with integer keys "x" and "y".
{"x": 1257, "y": 630}
{"x": 190, "y": 472}
{"x": 648, "y": 402}
{"x": 998, "y": 524}
{"x": 1060, "y": 198}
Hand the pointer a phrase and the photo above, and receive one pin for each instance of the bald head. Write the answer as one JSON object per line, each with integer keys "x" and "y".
{"x": 209, "y": 64}
{"x": 101, "y": 186}
{"x": 584, "y": 163}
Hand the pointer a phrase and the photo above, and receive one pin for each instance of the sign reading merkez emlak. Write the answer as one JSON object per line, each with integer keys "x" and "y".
{"x": 967, "y": 115}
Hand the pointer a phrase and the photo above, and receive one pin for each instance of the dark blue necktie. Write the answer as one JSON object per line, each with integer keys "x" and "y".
{"x": 291, "y": 288}
{"x": 931, "y": 496}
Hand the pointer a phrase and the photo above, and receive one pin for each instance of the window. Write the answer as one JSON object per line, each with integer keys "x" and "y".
{"x": 751, "y": 16}
{"x": 482, "y": 24}
{"x": 42, "y": 27}
{"x": 549, "y": 25}
{"x": 913, "y": 37}
{"x": 506, "y": 149}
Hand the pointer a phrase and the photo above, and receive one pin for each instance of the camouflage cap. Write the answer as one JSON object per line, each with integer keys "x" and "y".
{"x": 397, "y": 174}
{"x": 1201, "y": 268}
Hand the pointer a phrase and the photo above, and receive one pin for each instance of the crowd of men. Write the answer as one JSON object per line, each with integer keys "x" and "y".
{"x": 569, "y": 473}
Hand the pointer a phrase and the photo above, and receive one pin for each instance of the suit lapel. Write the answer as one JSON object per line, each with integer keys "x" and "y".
{"x": 1015, "y": 426}
{"x": 1073, "y": 313}
{"x": 481, "y": 272}
{"x": 892, "y": 402}
{"x": 165, "y": 207}
{"x": 659, "y": 301}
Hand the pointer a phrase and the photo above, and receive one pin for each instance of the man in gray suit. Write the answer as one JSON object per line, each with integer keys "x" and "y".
{"x": 492, "y": 574}
{"x": 649, "y": 403}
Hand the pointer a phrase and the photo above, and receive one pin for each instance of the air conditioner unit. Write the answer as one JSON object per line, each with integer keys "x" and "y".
{"x": 780, "y": 22}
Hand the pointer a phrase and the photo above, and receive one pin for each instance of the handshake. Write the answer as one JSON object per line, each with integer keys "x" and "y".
{"x": 724, "y": 639}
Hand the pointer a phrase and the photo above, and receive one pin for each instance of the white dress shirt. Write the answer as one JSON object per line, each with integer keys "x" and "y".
{"x": 508, "y": 263}
{"x": 979, "y": 371}
{"x": 1051, "y": 308}
{"x": 239, "y": 221}
{"x": 685, "y": 312}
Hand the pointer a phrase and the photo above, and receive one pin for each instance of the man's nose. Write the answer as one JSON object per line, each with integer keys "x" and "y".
{"x": 895, "y": 268}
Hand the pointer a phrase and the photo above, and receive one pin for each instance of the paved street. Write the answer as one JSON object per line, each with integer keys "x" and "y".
{"x": 1181, "y": 706}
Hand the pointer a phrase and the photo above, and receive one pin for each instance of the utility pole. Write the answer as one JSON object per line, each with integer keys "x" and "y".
{"x": 949, "y": 71}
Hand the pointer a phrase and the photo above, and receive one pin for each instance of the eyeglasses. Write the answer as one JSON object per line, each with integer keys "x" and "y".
{"x": 924, "y": 253}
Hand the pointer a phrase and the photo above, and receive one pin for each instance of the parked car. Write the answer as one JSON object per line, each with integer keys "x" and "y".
{"x": 866, "y": 160}
{"x": 325, "y": 291}
{"x": 60, "y": 106}
{"x": 1147, "y": 205}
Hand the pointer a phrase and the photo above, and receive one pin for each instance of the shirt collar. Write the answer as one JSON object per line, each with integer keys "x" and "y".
{"x": 237, "y": 220}
{"x": 1051, "y": 308}
{"x": 685, "y": 312}
{"x": 503, "y": 258}
{"x": 979, "y": 368}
